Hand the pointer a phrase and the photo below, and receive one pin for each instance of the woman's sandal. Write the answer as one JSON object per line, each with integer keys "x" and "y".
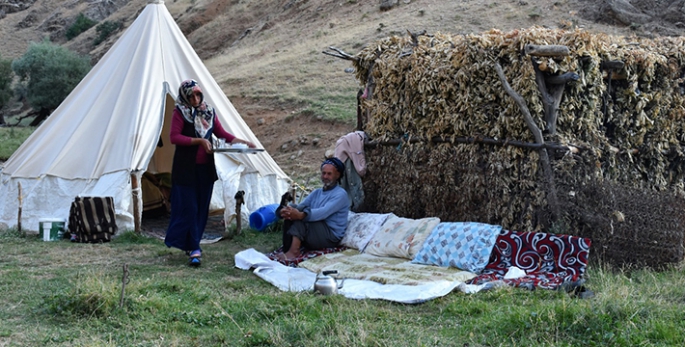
{"x": 195, "y": 258}
{"x": 195, "y": 262}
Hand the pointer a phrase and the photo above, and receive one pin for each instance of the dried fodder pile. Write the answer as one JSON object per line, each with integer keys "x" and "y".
{"x": 447, "y": 86}
{"x": 456, "y": 183}
{"x": 626, "y": 120}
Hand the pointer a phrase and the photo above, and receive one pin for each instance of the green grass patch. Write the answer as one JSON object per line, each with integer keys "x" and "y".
{"x": 339, "y": 107}
{"x": 62, "y": 293}
{"x": 11, "y": 138}
{"x": 330, "y": 105}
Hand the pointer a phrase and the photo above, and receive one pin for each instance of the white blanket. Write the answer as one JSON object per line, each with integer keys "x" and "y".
{"x": 298, "y": 280}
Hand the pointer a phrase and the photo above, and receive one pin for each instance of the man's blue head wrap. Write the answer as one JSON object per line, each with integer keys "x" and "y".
{"x": 339, "y": 166}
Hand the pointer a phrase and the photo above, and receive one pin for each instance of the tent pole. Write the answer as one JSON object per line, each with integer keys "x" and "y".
{"x": 21, "y": 202}
{"x": 135, "y": 194}
{"x": 239, "y": 200}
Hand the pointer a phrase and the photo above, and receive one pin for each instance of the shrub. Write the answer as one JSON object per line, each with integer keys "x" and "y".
{"x": 48, "y": 73}
{"x": 5, "y": 81}
{"x": 81, "y": 24}
{"x": 105, "y": 30}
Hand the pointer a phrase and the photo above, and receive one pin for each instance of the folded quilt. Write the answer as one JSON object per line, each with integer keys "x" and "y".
{"x": 386, "y": 270}
{"x": 549, "y": 260}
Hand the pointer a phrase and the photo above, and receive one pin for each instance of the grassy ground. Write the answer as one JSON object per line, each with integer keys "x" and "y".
{"x": 64, "y": 294}
{"x": 11, "y": 138}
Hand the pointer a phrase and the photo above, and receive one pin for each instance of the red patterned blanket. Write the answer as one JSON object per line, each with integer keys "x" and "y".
{"x": 549, "y": 260}
{"x": 304, "y": 255}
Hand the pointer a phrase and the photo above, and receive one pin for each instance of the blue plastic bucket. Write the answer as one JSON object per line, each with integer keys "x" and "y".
{"x": 264, "y": 216}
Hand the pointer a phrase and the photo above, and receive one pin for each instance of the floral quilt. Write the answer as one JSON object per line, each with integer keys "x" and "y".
{"x": 549, "y": 260}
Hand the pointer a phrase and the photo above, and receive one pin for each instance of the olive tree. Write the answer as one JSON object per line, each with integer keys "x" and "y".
{"x": 48, "y": 73}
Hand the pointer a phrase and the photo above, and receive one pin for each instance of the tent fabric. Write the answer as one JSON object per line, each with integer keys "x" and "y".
{"x": 110, "y": 125}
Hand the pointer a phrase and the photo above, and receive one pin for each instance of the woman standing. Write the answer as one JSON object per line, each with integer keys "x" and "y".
{"x": 193, "y": 172}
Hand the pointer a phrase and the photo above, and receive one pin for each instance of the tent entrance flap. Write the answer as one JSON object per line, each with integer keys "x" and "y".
{"x": 163, "y": 155}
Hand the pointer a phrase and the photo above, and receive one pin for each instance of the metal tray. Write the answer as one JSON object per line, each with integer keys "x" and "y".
{"x": 238, "y": 150}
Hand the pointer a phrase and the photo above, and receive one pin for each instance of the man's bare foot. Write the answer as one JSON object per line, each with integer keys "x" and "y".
{"x": 287, "y": 256}
{"x": 290, "y": 255}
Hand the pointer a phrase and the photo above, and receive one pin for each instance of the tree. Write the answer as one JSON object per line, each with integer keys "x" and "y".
{"x": 81, "y": 24}
{"x": 48, "y": 73}
{"x": 5, "y": 84}
{"x": 104, "y": 31}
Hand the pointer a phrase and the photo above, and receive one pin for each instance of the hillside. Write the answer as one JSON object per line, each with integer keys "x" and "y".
{"x": 267, "y": 56}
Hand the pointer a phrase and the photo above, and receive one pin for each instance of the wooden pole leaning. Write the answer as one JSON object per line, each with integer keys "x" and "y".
{"x": 135, "y": 196}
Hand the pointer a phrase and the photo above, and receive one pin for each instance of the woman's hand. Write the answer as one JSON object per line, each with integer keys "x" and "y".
{"x": 204, "y": 143}
{"x": 248, "y": 143}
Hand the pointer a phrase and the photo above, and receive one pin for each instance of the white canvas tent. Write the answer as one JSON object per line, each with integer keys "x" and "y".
{"x": 104, "y": 135}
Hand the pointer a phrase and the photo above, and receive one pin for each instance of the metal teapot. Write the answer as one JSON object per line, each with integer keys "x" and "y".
{"x": 326, "y": 284}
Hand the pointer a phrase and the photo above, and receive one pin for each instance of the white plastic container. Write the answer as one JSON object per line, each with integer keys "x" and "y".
{"x": 52, "y": 229}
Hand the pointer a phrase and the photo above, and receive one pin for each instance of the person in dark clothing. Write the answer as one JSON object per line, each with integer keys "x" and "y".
{"x": 193, "y": 172}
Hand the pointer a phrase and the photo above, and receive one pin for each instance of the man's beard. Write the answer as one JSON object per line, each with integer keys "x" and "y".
{"x": 328, "y": 185}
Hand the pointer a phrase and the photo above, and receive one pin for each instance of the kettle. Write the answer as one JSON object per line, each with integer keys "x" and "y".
{"x": 326, "y": 284}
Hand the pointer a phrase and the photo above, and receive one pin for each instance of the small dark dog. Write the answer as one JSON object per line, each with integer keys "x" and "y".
{"x": 240, "y": 197}
{"x": 287, "y": 197}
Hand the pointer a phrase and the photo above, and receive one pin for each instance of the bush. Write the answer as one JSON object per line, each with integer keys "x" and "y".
{"x": 81, "y": 24}
{"x": 5, "y": 81}
{"x": 48, "y": 73}
{"x": 105, "y": 30}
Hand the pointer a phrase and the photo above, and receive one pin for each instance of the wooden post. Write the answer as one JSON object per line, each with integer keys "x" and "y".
{"x": 293, "y": 192}
{"x": 124, "y": 281}
{"x": 21, "y": 202}
{"x": 612, "y": 67}
{"x": 135, "y": 196}
{"x": 238, "y": 219}
{"x": 546, "y": 50}
{"x": 551, "y": 89}
{"x": 477, "y": 139}
{"x": 537, "y": 134}
{"x": 239, "y": 200}
{"x": 360, "y": 123}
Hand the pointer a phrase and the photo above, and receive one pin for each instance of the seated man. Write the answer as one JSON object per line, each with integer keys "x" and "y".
{"x": 321, "y": 219}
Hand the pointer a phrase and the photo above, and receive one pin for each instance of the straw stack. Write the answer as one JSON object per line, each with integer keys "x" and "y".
{"x": 620, "y": 127}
